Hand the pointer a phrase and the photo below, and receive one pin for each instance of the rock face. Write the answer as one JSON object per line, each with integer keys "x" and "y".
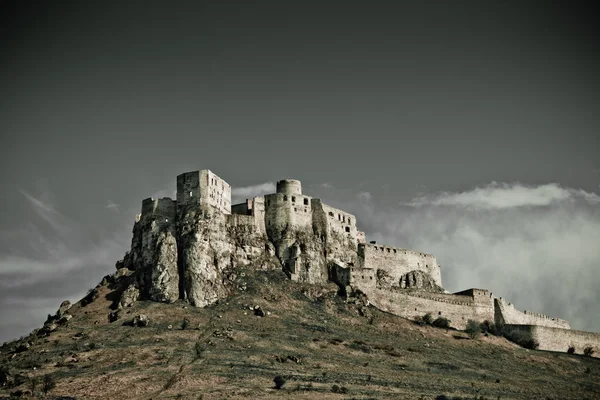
{"x": 212, "y": 245}
{"x": 419, "y": 280}
{"x": 64, "y": 307}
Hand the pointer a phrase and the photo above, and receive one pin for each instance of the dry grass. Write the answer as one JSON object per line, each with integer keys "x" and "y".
{"x": 375, "y": 357}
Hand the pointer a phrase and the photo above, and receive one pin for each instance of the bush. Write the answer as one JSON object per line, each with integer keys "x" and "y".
{"x": 491, "y": 328}
{"x": 473, "y": 329}
{"x": 33, "y": 384}
{"x": 337, "y": 389}
{"x": 571, "y": 349}
{"x": 279, "y": 382}
{"x": 427, "y": 319}
{"x": 441, "y": 322}
{"x": 588, "y": 351}
{"x": 48, "y": 383}
{"x": 185, "y": 324}
{"x": 521, "y": 338}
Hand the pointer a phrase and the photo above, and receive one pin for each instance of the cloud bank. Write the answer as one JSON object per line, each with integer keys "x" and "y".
{"x": 504, "y": 195}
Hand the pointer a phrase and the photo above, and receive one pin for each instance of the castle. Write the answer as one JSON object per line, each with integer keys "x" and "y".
{"x": 186, "y": 248}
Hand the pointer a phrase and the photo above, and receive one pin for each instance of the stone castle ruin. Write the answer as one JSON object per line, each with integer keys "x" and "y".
{"x": 188, "y": 249}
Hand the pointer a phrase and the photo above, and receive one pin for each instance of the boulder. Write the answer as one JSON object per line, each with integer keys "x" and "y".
{"x": 140, "y": 320}
{"x": 113, "y": 316}
{"x": 129, "y": 296}
{"x": 259, "y": 311}
{"x": 64, "y": 307}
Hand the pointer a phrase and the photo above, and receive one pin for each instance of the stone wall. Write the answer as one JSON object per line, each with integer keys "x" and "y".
{"x": 506, "y": 313}
{"x": 397, "y": 262}
{"x": 458, "y": 309}
{"x": 558, "y": 339}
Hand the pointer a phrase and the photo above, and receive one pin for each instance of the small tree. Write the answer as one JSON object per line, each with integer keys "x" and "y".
{"x": 33, "y": 383}
{"x": 473, "y": 329}
{"x": 48, "y": 383}
{"x": 571, "y": 349}
{"x": 441, "y": 322}
{"x": 279, "y": 382}
{"x": 185, "y": 324}
{"x": 588, "y": 351}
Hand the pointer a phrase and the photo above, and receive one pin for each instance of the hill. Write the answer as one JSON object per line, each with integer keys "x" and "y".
{"x": 322, "y": 344}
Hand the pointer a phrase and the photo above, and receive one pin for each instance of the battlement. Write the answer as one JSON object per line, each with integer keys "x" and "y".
{"x": 506, "y": 313}
{"x": 397, "y": 261}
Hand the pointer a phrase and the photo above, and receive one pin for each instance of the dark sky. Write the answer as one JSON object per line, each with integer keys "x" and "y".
{"x": 467, "y": 128}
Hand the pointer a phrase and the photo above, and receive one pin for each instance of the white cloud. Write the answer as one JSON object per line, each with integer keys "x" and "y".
{"x": 504, "y": 195}
{"x": 112, "y": 206}
{"x": 239, "y": 194}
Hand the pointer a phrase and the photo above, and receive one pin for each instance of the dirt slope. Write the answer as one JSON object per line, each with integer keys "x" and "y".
{"x": 321, "y": 345}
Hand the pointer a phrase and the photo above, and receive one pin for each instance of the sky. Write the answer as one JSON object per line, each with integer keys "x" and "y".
{"x": 465, "y": 129}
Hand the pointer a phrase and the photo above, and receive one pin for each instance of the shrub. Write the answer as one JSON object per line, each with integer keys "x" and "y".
{"x": 441, "y": 322}
{"x": 588, "y": 351}
{"x": 571, "y": 349}
{"x": 279, "y": 382}
{"x": 427, "y": 319}
{"x": 185, "y": 324}
{"x": 337, "y": 389}
{"x": 491, "y": 328}
{"x": 521, "y": 338}
{"x": 48, "y": 383}
{"x": 33, "y": 383}
{"x": 473, "y": 329}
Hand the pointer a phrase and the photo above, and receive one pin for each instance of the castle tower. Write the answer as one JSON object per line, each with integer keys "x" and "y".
{"x": 289, "y": 186}
{"x": 203, "y": 188}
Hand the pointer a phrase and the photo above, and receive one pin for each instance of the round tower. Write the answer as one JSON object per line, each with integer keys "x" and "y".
{"x": 289, "y": 186}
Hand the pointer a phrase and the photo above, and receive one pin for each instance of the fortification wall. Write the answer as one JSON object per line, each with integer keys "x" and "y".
{"x": 242, "y": 208}
{"x": 458, "y": 309}
{"x": 507, "y": 314}
{"x": 558, "y": 339}
{"x": 363, "y": 278}
{"x": 339, "y": 231}
{"x": 397, "y": 262}
{"x": 160, "y": 212}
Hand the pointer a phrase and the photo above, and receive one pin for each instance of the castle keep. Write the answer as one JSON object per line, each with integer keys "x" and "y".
{"x": 188, "y": 249}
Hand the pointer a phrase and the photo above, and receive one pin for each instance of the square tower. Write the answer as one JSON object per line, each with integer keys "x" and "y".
{"x": 203, "y": 188}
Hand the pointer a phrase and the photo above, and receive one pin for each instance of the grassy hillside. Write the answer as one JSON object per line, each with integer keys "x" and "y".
{"x": 321, "y": 345}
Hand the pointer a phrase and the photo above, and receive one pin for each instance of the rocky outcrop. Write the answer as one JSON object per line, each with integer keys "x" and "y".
{"x": 211, "y": 246}
{"x": 129, "y": 296}
{"x": 64, "y": 307}
{"x": 419, "y": 280}
{"x": 160, "y": 277}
